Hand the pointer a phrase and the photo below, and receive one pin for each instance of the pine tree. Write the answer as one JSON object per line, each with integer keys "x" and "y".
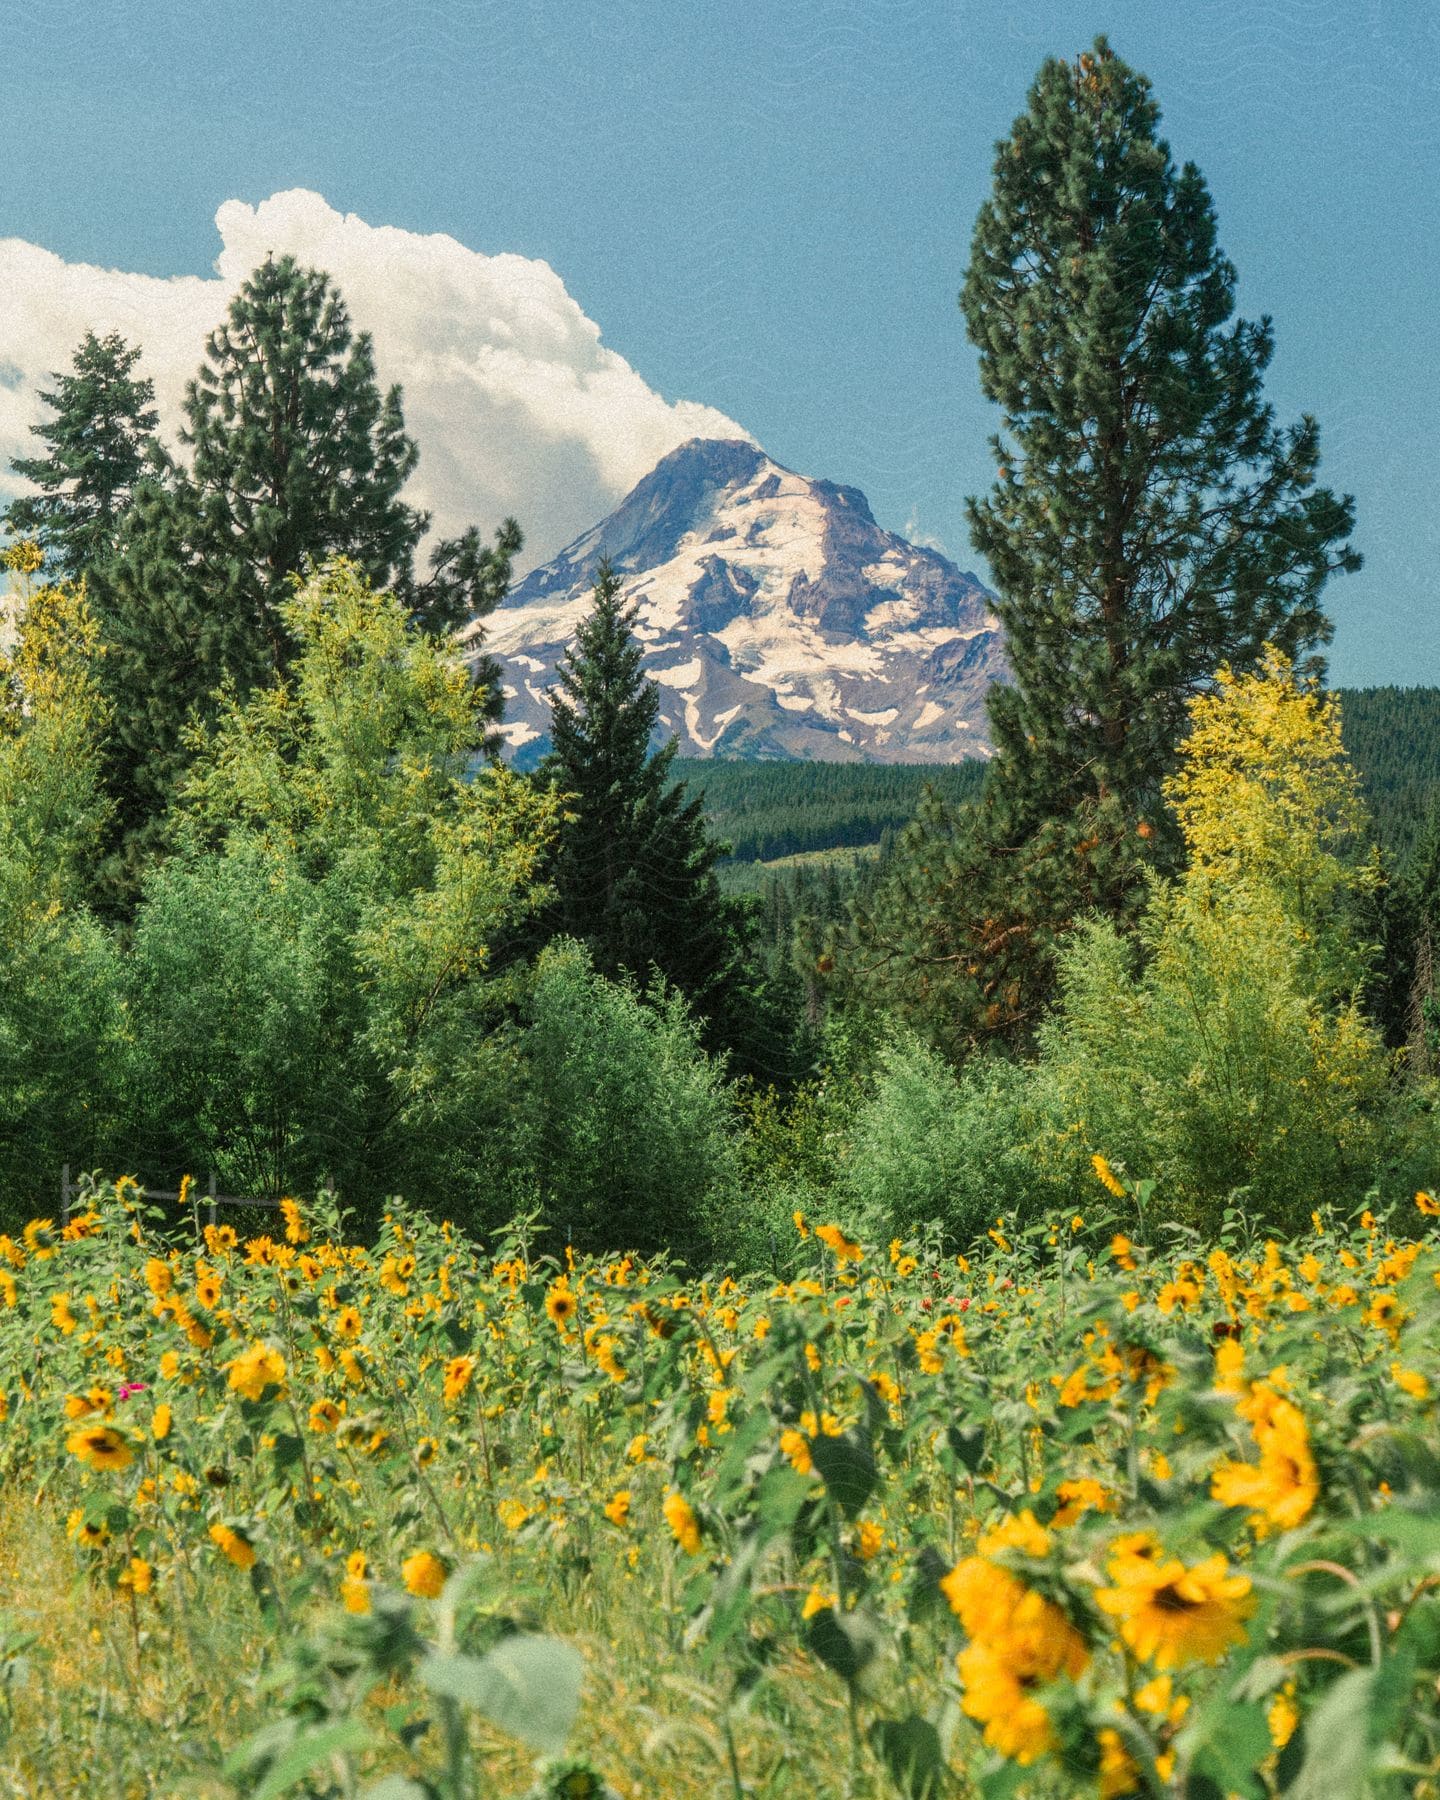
{"x": 1149, "y": 521}
{"x": 633, "y": 869}
{"x": 296, "y": 457}
{"x": 101, "y": 443}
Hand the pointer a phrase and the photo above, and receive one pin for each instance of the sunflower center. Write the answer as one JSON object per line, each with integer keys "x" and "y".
{"x": 1169, "y": 1599}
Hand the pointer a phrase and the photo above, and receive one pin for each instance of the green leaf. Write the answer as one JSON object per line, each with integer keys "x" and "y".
{"x": 1233, "y": 1740}
{"x": 846, "y": 1465}
{"x": 528, "y": 1687}
{"x": 1337, "y": 1742}
{"x": 779, "y": 1500}
{"x": 967, "y": 1445}
{"x": 1000, "y": 1781}
{"x": 288, "y": 1449}
{"x": 910, "y": 1750}
{"x": 844, "y": 1642}
{"x": 399, "y": 1787}
{"x": 925, "y": 1599}
{"x": 315, "y": 1747}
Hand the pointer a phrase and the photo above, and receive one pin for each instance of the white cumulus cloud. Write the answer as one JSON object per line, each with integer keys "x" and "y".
{"x": 517, "y": 406}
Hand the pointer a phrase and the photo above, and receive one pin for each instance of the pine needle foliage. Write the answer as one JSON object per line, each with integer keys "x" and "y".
{"x": 1150, "y": 520}
{"x": 634, "y": 868}
{"x": 100, "y": 444}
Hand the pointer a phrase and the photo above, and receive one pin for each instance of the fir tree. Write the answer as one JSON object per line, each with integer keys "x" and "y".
{"x": 101, "y": 443}
{"x": 296, "y": 457}
{"x": 1149, "y": 521}
{"x": 633, "y": 869}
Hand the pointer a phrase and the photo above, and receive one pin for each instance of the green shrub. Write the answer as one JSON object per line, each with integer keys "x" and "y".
{"x": 628, "y": 1125}
{"x": 929, "y": 1145}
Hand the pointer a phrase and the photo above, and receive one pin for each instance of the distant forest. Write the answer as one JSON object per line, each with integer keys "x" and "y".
{"x": 1393, "y": 737}
{"x": 770, "y": 810}
{"x": 766, "y": 810}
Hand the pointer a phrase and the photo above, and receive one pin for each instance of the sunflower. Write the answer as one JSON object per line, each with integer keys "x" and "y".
{"x": 39, "y": 1237}
{"x": 347, "y": 1322}
{"x": 90, "y": 1532}
{"x": 426, "y": 1450}
{"x": 61, "y": 1316}
{"x": 355, "y": 1584}
{"x": 1081, "y": 1496}
{"x": 1119, "y": 1772}
{"x": 1106, "y": 1176}
{"x": 1282, "y": 1487}
{"x": 842, "y": 1248}
{"x": 1002, "y": 1669}
{"x": 80, "y": 1406}
{"x": 561, "y": 1305}
{"x": 680, "y": 1517}
{"x": 795, "y": 1448}
{"x": 982, "y": 1595}
{"x": 458, "y": 1371}
{"x": 207, "y": 1290}
{"x": 138, "y": 1576}
{"x": 423, "y": 1574}
{"x": 617, "y": 1508}
{"x": 100, "y": 1447}
{"x": 160, "y": 1423}
{"x": 234, "y": 1545}
{"x": 325, "y": 1415}
{"x": 1171, "y": 1615}
{"x": 255, "y": 1370}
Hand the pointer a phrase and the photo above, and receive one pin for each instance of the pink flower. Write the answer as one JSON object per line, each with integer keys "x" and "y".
{"x": 127, "y": 1388}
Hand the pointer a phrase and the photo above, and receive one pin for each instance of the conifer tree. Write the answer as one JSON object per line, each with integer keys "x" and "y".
{"x": 296, "y": 457}
{"x": 633, "y": 868}
{"x": 1149, "y": 521}
{"x": 100, "y": 444}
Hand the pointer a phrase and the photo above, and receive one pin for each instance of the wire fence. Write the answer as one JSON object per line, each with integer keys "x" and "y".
{"x": 69, "y": 1191}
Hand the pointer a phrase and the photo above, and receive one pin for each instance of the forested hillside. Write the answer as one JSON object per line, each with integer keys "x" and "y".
{"x": 769, "y": 810}
{"x": 1393, "y": 737}
{"x": 766, "y": 810}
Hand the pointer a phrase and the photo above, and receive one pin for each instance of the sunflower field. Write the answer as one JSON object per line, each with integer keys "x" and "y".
{"x": 1073, "y": 1515}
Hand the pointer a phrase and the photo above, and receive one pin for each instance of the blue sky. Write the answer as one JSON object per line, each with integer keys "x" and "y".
{"x": 767, "y": 209}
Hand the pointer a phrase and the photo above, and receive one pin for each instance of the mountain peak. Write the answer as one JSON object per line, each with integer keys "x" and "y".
{"x": 777, "y": 617}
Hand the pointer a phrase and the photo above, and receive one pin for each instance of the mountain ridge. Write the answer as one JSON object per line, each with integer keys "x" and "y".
{"x": 777, "y": 617}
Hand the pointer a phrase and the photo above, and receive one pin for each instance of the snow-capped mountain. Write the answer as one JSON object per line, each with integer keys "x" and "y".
{"x": 777, "y": 617}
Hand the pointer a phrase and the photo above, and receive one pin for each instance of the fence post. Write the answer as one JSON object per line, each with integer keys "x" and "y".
{"x": 212, "y": 1196}
{"x": 65, "y": 1195}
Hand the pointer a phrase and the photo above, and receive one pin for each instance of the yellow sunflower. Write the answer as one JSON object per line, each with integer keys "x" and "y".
{"x": 680, "y": 1517}
{"x": 560, "y": 1305}
{"x": 458, "y": 1371}
{"x": 234, "y": 1545}
{"x": 255, "y": 1370}
{"x": 1171, "y": 1615}
{"x": 100, "y": 1447}
{"x": 423, "y": 1574}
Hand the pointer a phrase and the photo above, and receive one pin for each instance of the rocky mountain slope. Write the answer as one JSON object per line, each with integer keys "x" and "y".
{"x": 776, "y": 615}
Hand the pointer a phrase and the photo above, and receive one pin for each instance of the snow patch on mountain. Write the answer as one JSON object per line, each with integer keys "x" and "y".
{"x": 778, "y": 618}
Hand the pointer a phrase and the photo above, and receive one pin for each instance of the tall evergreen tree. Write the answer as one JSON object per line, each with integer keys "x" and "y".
{"x": 296, "y": 456}
{"x": 633, "y": 867}
{"x": 100, "y": 444}
{"x": 1149, "y": 521}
